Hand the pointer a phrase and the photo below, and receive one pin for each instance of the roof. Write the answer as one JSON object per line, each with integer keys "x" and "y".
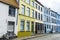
{"x": 53, "y": 11}
{"x": 39, "y": 2}
{"x": 10, "y": 2}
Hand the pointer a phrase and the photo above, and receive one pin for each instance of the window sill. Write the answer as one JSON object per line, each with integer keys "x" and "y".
{"x": 22, "y": 31}
{"x": 27, "y": 31}
{"x": 11, "y": 16}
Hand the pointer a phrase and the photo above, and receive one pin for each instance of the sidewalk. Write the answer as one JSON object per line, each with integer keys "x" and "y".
{"x": 30, "y": 37}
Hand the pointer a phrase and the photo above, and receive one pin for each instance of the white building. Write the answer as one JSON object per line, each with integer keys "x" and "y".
{"x": 8, "y": 17}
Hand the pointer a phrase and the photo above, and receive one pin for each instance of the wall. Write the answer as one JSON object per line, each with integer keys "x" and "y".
{"x": 3, "y": 18}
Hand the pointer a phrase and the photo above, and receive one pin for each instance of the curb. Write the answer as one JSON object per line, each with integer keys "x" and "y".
{"x": 33, "y": 37}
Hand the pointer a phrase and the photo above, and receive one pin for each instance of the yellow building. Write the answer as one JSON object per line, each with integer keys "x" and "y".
{"x": 30, "y": 19}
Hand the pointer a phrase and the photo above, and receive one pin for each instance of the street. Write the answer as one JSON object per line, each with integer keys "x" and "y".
{"x": 48, "y": 37}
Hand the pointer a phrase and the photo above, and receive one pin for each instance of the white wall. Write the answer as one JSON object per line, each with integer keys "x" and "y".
{"x": 4, "y": 18}
{"x": 13, "y": 19}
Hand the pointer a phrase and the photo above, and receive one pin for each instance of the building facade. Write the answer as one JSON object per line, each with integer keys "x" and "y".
{"x": 30, "y": 19}
{"x": 47, "y": 20}
{"x": 51, "y": 21}
{"x": 8, "y": 17}
{"x": 34, "y": 18}
{"x": 57, "y": 23}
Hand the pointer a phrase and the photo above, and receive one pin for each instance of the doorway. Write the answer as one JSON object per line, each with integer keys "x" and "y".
{"x": 32, "y": 27}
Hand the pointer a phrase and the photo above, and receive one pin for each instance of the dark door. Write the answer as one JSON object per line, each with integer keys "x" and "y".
{"x": 45, "y": 29}
{"x": 32, "y": 27}
{"x": 36, "y": 28}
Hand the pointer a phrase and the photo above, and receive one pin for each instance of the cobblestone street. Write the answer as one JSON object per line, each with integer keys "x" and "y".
{"x": 48, "y": 37}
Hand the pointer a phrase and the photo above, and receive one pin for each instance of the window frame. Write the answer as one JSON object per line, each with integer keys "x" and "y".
{"x": 28, "y": 11}
{"x": 28, "y": 26}
{"x": 12, "y": 9}
{"x": 32, "y": 13}
{"x": 22, "y": 9}
{"x": 23, "y": 25}
{"x": 28, "y": 1}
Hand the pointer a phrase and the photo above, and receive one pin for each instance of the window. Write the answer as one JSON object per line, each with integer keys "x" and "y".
{"x": 32, "y": 26}
{"x": 45, "y": 18}
{"x": 22, "y": 25}
{"x": 32, "y": 4}
{"x": 23, "y": 9}
{"x": 28, "y": 1}
{"x": 18, "y": 1}
{"x": 49, "y": 12}
{"x": 11, "y": 11}
{"x": 41, "y": 8}
{"x": 38, "y": 7}
{"x": 10, "y": 26}
{"x": 41, "y": 17}
{"x": 35, "y": 5}
{"x": 23, "y": 0}
{"x": 46, "y": 11}
{"x": 28, "y": 26}
{"x": 49, "y": 19}
{"x": 28, "y": 11}
{"x": 33, "y": 13}
{"x": 36, "y": 14}
{"x": 53, "y": 20}
{"x": 47, "y": 26}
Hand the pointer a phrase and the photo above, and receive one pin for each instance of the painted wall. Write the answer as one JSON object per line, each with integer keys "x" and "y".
{"x": 4, "y": 18}
{"x": 20, "y": 16}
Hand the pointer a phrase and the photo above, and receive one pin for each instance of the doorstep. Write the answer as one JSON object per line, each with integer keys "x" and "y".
{"x": 30, "y": 37}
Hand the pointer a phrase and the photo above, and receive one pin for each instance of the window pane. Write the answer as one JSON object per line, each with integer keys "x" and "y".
{"x": 41, "y": 8}
{"x": 28, "y": 26}
{"x": 36, "y": 14}
{"x": 10, "y": 26}
{"x": 38, "y": 7}
{"x": 33, "y": 13}
{"x": 32, "y": 3}
{"x": 23, "y": 0}
{"x": 22, "y": 25}
{"x": 28, "y": 1}
{"x": 23, "y": 9}
{"x": 28, "y": 11}
{"x": 32, "y": 26}
{"x": 45, "y": 18}
{"x": 35, "y": 5}
{"x": 11, "y": 11}
{"x": 41, "y": 17}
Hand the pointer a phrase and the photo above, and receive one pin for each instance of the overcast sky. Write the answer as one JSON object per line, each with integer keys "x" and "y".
{"x": 53, "y": 4}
